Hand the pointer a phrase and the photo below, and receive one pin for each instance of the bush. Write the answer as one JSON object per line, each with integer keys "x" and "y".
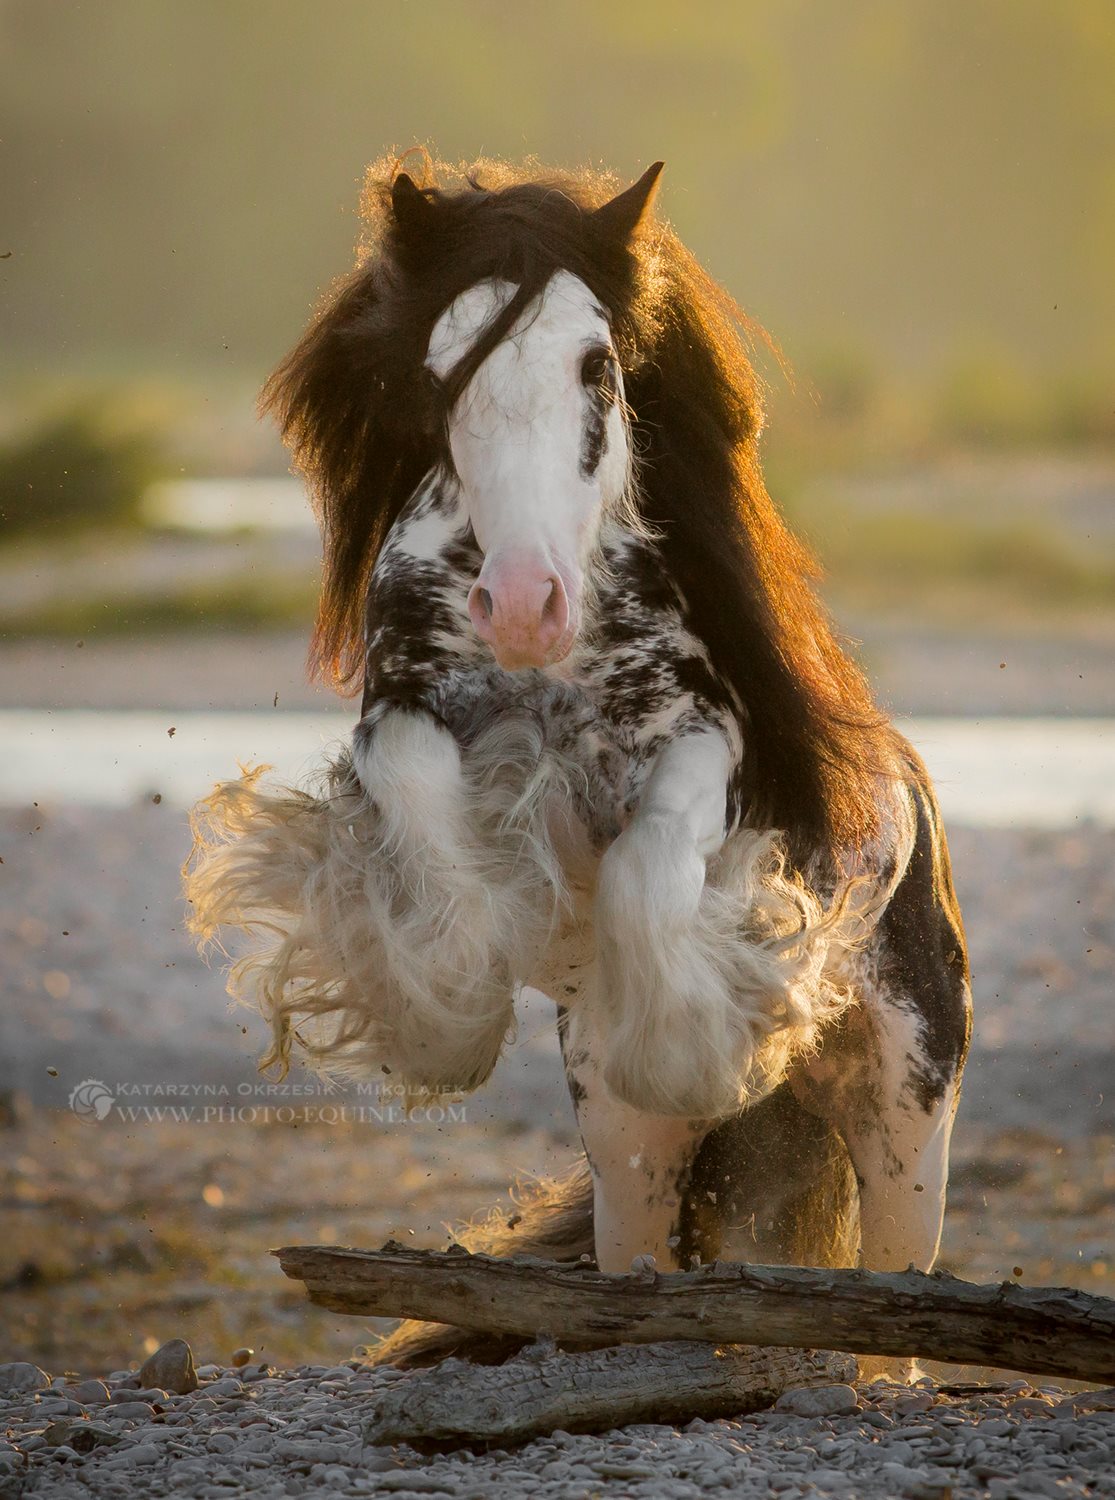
{"x": 73, "y": 472}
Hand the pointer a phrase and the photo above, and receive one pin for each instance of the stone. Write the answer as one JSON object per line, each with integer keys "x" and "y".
{"x": 998, "y": 1427}
{"x": 1095, "y": 1400}
{"x": 229, "y": 1386}
{"x": 81, "y": 1437}
{"x": 240, "y": 1357}
{"x": 88, "y": 1392}
{"x": 63, "y": 1453}
{"x": 20, "y": 1376}
{"x": 55, "y": 1404}
{"x": 818, "y": 1401}
{"x": 877, "y": 1419}
{"x": 902, "y": 1478}
{"x": 908, "y": 1406}
{"x": 832, "y": 1479}
{"x": 130, "y": 1410}
{"x": 143, "y": 1453}
{"x": 170, "y": 1368}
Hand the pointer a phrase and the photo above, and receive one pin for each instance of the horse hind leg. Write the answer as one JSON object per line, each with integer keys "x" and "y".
{"x": 901, "y": 1159}
{"x": 894, "y": 1110}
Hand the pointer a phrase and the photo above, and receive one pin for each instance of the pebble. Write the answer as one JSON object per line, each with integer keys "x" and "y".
{"x": 875, "y": 1419}
{"x": 997, "y": 1427}
{"x": 88, "y": 1392}
{"x": 296, "y": 1433}
{"x": 832, "y": 1479}
{"x": 142, "y": 1453}
{"x": 909, "y": 1405}
{"x": 20, "y": 1377}
{"x": 229, "y": 1386}
{"x": 58, "y": 1405}
{"x": 130, "y": 1410}
{"x": 1095, "y": 1400}
{"x": 82, "y": 1437}
{"x": 170, "y": 1368}
{"x": 818, "y": 1401}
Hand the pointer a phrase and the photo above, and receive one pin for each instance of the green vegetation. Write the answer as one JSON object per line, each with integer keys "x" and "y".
{"x": 248, "y": 601}
{"x": 74, "y": 471}
{"x": 928, "y": 566}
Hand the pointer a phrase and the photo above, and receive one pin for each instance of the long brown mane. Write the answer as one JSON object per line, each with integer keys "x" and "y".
{"x": 356, "y": 408}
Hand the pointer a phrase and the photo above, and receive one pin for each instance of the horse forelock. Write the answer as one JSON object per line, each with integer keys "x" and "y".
{"x": 366, "y": 424}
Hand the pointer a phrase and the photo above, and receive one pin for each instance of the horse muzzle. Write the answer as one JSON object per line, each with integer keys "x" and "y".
{"x": 520, "y": 608}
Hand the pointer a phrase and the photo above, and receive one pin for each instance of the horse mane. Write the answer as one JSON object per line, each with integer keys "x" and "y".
{"x": 365, "y": 425}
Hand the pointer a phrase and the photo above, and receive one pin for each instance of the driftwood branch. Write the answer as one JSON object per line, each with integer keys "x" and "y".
{"x": 1039, "y": 1330}
{"x": 541, "y": 1390}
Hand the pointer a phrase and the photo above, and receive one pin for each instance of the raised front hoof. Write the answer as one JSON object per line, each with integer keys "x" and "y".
{"x": 450, "y": 1059}
{"x": 643, "y": 1084}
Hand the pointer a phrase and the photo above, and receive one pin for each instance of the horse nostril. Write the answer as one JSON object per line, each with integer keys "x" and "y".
{"x": 555, "y": 611}
{"x": 485, "y": 600}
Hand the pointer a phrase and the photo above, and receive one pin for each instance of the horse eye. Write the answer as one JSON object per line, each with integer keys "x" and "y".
{"x": 595, "y": 367}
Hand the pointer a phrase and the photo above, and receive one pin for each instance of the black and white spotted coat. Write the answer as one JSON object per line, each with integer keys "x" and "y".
{"x": 636, "y": 679}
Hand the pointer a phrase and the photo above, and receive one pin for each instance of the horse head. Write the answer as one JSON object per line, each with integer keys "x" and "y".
{"x": 536, "y": 435}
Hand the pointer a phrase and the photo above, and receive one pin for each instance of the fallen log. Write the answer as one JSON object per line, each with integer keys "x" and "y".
{"x": 1037, "y": 1330}
{"x": 542, "y": 1390}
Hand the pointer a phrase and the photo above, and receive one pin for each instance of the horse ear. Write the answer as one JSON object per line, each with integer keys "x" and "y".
{"x": 409, "y": 204}
{"x": 622, "y": 216}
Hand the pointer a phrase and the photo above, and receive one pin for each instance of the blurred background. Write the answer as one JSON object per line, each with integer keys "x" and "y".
{"x": 917, "y": 200}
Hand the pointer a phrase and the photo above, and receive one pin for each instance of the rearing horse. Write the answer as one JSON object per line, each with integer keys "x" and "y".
{"x": 608, "y": 744}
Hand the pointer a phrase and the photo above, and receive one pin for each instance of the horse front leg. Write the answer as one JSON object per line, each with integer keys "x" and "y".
{"x": 639, "y": 1163}
{"x": 672, "y": 1030}
{"x": 447, "y": 937}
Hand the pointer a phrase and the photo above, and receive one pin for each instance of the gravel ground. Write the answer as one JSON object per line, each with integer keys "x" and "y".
{"x": 155, "y": 1222}
{"x": 253, "y": 1430}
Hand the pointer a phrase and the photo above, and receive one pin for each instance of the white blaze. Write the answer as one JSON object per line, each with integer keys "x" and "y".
{"x": 517, "y": 437}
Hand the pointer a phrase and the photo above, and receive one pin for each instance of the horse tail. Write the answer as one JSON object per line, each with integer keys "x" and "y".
{"x": 551, "y": 1218}
{"x": 773, "y": 1185}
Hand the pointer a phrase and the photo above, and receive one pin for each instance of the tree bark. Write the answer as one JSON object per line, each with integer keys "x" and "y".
{"x": 1038, "y": 1330}
{"x": 542, "y": 1390}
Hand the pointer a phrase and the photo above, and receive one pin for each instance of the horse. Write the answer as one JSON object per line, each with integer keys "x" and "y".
{"x": 609, "y": 745}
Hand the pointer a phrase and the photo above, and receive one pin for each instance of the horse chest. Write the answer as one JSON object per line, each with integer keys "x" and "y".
{"x": 637, "y": 679}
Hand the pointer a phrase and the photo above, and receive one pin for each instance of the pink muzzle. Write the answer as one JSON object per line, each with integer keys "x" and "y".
{"x": 520, "y": 608}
